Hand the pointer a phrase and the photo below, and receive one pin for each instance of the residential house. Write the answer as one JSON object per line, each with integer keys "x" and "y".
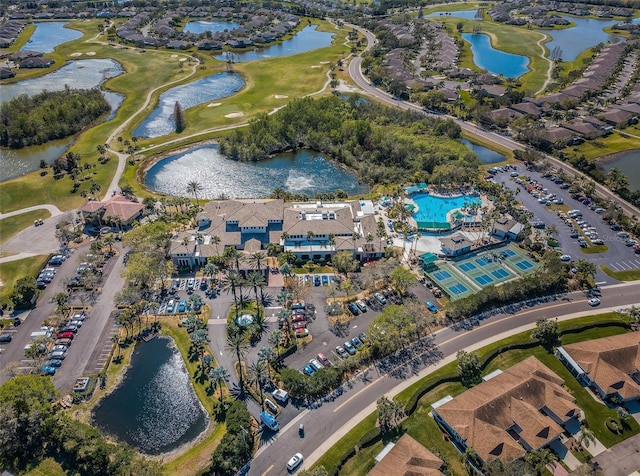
{"x": 583, "y": 129}
{"x": 406, "y": 457}
{"x": 520, "y": 409}
{"x": 610, "y": 366}
{"x": 617, "y": 117}
{"x": 118, "y": 210}
{"x": 455, "y": 245}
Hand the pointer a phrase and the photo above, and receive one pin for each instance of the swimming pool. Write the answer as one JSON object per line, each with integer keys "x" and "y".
{"x": 432, "y": 210}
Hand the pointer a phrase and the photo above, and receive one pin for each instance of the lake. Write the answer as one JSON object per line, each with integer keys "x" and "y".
{"x": 304, "y": 171}
{"x": 629, "y": 164}
{"x": 573, "y": 41}
{"x": 306, "y": 39}
{"x": 468, "y": 14}
{"x": 485, "y": 155}
{"x": 214, "y": 26}
{"x": 48, "y": 35}
{"x": 16, "y": 162}
{"x": 160, "y": 121}
{"x": 155, "y": 408}
{"x": 495, "y": 61}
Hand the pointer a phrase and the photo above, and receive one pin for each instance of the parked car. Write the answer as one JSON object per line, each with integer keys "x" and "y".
{"x": 69, "y": 328}
{"x": 65, "y": 335}
{"x": 341, "y": 352}
{"x": 307, "y": 369}
{"x": 380, "y": 298}
{"x": 48, "y": 370}
{"x": 324, "y": 360}
{"x": 325, "y": 280}
{"x": 565, "y": 258}
{"x": 60, "y": 347}
{"x": 356, "y": 342}
{"x": 53, "y": 363}
{"x": 297, "y": 317}
{"x": 182, "y": 306}
{"x": 432, "y": 307}
{"x": 191, "y": 283}
{"x": 272, "y": 407}
{"x": 301, "y": 332}
{"x": 361, "y": 306}
{"x": 350, "y": 348}
{"x": 294, "y": 462}
{"x": 353, "y": 309}
{"x": 65, "y": 342}
{"x": 5, "y": 337}
{"x": 76, "y": 323}
{"x": 300, "y": 324}
{"x": 316, "y": 280}
{"x": 57, "y": 355}
{"x": 315, "y": 364}
{"x": 593, "y": 302}
{"x": 363, "y": 337}
{"x": 171, "y": 306}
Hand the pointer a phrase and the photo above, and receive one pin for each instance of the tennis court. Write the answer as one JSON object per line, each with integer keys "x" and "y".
{"x": 524, "y": 265}
{"x": 483, "y": 280}
{"x": 448, "y": 278}
{"x": 466, "y": 267}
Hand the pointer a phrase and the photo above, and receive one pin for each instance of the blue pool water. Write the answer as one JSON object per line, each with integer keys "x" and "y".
{"x": 48, "y": 35}
{"x": 495, "y": 61}
{"x": 305, "y": 40}
{"x": 214, "y": 26}
{"x": 434, "y": 209}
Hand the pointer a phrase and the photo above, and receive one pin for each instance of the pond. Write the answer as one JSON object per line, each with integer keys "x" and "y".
{"x": 573, "y": 41}
{"x": 629, "y": 164}
{"x": 468, "y": 14}
{"x": 304, "y": 171}
{"x": 495, "y": 61}
{"x": 214, "y": 26}
{"x": 16, "y": 162}
{"x": 306, "y": 39}
{"x": 48, "y": 35}
{"x": 160, "y": 121}
{"x": 486, "y": 156}
{"x": 155, "y": 408}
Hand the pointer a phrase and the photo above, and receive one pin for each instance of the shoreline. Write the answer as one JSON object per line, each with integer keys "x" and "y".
{"x": 608, "y": 158}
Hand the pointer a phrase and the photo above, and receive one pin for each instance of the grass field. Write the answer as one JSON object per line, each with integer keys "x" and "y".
{"x": 11, "y": 271}
{"x": 424, "y": 429}
{"x": 12, "y": 225}
{"x": 629, "y": 275}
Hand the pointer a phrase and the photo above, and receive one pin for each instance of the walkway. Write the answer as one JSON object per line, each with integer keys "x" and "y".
{"x": 51, "y": 208}
{"x": 622, "y": 459}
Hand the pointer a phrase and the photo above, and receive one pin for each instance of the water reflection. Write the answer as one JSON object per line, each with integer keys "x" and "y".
{"x": 155, "y": 408}
{"x": 629, "y": 164}
{"x": 48, "y": 35}
{"x": 214, "y": 26}
{"x": 160, "y": 121}
{"x": 573, "y": 41}
{"x": 493, "y": 60}
{"x": 16, "y": 162}
{"x": 486, "y": 156}
{"x": 301, "y": 172}
{"x": 306, "y": 39}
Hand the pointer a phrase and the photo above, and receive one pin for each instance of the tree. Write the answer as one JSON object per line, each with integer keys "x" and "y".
{"x": 344, "y": 262}
{"x": 586, "y": 437}
{"x": 266, "y": 354}
{"x": 178, "y": 117}
{"x": 586, "y": 272}
{"x": 257, "y": 260}
{"x": 238, "y": 343}
{"x": 217, "y": 377}
{"x": 546, "y": 332}
{"x": 23, "y": 293}
{"x": 390, "y": 414}
{"x": 401, "y": 279}
{"x": 468, "y": 368}
{"x": 539, "y": 459}
{"x": 255, "y": 374}
{"x": 194, "y": 187}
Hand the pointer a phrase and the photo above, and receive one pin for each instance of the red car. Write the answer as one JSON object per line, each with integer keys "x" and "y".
{"x": 297, "y": 317}
{"x": 300, "y": 325}
{"x": 65, "y": 335}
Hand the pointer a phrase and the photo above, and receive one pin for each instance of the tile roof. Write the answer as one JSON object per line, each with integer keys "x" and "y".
{"x": 496, "y": 415}
{"x": 407, "y": 458}
{"x": 610, "y": 362}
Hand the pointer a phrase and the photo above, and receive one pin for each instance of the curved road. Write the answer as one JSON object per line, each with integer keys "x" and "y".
{"x": 355, "y": 71}
{"x": 326, "y": 425}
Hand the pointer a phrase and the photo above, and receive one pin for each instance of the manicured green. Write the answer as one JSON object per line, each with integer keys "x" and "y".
{"x": 11, "y": 271}
{"x": 13, "y": 225}
{"x": 595, "y": 249}
{"x": 47, "y": 467}
{"x": 627, "y": 275}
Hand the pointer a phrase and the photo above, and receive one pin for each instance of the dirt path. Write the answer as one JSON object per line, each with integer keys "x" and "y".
{"x": 549, "y": 69}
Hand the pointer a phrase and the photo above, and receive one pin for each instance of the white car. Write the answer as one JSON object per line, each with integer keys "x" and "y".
{"x": 565, "y": 258}
{"x": 295, "y": 460}
{"x": 593, "y": 302}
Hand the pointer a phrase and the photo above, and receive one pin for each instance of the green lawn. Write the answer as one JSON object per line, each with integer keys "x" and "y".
{"x": 11, "y": 271}
{"x": 594, "y": 249}
{"x": 13, "y": 225}
{"x": 424, "y": 429}
{"x": 47, "y": 467}
{"x": 628, "y": 275}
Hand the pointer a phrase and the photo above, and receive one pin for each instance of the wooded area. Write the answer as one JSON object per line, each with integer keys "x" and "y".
{"x": 32, "y": 120}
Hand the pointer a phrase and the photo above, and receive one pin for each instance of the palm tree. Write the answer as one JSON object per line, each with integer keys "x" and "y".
{"x": 586, "y": 437}
{"x": 332, "y": 241}
{"x": 539, "y": 459}
{"x": 284, "y": 237}
{"x": 256, "y": 281}
{"x": 275, "y": 338}
{"x": 232, "y": 254}
{"x": 215, "y": 241}
{"x": 231, "y": 284}
{"x": 310, "y": 236}
{"x": 266, "y": 354}
{"x": 217, "y": 376}
{"x": 257, "y": 260}
{"x": 194, "y": 187}
{"x": 238, "y": 343}
{"x": 255, "y": 374}
{"x": 115, "y": 338}
{"x": 355, "y": 236}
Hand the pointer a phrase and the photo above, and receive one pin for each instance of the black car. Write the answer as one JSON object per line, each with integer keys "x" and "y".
{"x": 5, "y": 337}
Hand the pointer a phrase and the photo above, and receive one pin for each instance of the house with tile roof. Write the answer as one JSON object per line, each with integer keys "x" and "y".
{"x": 118, "y": 209}
{"x": 520, "y": 409}
{"x": 610, "y": 366}
{"x": 406, "y": 457}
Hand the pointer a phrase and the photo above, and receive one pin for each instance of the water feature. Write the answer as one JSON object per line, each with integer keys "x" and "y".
{"x": 468, "y": 14}
{"x": 301, "y": 172}
{"x": 486, "y": 156}
{"x": 16, "y": 162}
{"x": 214, "y": 26}
{"x": 155, "y": 408}
{"x": 586, "y": 33}
{"x": 629, "y": 164}
{"x": 48, "y": 35}
{"x": 433, "y": 210}
{"x": 495, "y": 61}
{"x": 160, "y": 121}
{"x": 306, "y": 39}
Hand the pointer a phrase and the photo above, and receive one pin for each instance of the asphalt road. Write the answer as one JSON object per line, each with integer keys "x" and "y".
{"x": 326, "y": 424}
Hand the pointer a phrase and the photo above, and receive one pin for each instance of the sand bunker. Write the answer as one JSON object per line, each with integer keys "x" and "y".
{"x": 174, "y": 56}
{"x": 91, "y": 53}
{"x": 235, "y": 114}
{"x": 315, "y": 66}
{"x": 75, "y": 54}
{"x": 214, "y": 104}
{"x": 281, "y": 96}
{"x": 324, "y": 62}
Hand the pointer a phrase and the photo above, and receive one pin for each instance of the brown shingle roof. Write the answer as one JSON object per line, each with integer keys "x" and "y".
{"x": 495, "y": 415}
{"x": 610, "y": 361}
{"x": 407, "y": 457}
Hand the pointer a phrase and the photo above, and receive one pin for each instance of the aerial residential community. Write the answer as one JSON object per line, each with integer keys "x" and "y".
{"x": 319, "y": 238}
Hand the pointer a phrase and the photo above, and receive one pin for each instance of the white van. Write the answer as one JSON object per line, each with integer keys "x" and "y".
{"x": 280, "y": 395}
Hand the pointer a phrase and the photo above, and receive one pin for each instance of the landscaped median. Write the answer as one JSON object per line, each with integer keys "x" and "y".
{"x": 627, "y": 275}
{"x": 354, "y": 453}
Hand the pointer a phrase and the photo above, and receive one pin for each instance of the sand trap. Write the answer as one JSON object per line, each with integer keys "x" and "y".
{"x": 174, "y": 56}
{"x": 316, "y": 66}
{"x": 281, "y": 96}
{"x": 235, "y": 114}
{"x": 75, "y": 54}
{"x": 214, "y": 104}
{"x": 91, "y": 53}
{"x": 324, "y": 62}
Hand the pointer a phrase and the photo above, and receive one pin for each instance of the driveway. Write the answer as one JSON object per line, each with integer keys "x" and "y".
{"x": 622, "y": 459}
